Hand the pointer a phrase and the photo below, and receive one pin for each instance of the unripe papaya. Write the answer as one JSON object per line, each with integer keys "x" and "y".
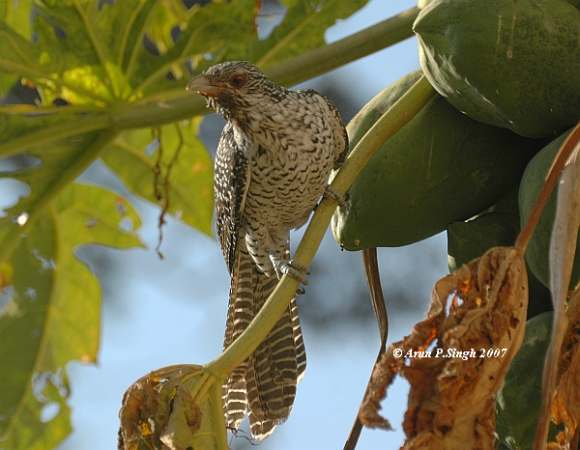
{"x": 512, "y": 64}
{"x": 496, "y": 227}
{"x": 441, "y": 167}
{"x": 537, "y": 253}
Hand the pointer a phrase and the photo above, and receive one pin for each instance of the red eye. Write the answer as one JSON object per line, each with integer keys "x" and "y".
{"x": 238, "y": 80}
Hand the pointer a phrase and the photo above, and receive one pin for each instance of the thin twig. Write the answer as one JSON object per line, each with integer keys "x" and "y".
{"x": 380, "y": 308}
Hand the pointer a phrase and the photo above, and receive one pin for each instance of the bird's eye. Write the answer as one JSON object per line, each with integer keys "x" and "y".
{"x": 238, "y": 80}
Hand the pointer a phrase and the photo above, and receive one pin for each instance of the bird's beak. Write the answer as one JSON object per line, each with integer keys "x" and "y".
{"x": 201, "y": 85}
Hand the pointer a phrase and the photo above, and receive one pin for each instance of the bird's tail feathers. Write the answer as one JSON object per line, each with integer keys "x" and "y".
{"x": 264, "y": 386}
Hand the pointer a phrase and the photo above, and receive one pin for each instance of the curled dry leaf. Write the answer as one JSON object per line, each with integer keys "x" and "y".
{"x": 565, "y": 406}
{"x": 562, "y": 254}
{"x": 172, "y": 409}
{"x": 480, "y": 307}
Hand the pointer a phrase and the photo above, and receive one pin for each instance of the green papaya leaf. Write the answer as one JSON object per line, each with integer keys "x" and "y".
{"x": 16, "y": 14}
{"x": 189, "y": 177}
{"x": 163, "y": 20}
{"x": 18, "y": 58}
{"x": 51, "y": 312}
{"x": 212, "y": 33}
{"x": 81, "y": 38}
{"x": 303, "y": 28}
{"x": 59, "y": 166}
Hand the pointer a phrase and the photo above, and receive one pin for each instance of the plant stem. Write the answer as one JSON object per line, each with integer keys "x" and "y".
{"x": 56, "y": 132}
{"x": 369, "y": 40}
{"x": 385, "y": 127}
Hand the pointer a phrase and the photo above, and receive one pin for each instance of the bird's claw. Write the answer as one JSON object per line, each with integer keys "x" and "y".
{"x": 336, "y": 196}
{"x": 296, "y": 271}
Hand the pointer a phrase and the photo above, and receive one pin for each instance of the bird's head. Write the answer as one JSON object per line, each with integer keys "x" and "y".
{"x": 234, "y": 87}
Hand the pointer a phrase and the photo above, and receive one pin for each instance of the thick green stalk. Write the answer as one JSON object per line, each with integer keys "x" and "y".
{"x": 385, "y": 127}
{"x": 155, "y": 112}
{"x": 51, "y": 133}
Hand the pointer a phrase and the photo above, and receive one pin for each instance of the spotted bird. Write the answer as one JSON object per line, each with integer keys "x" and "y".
{"x": 273, "y": 161}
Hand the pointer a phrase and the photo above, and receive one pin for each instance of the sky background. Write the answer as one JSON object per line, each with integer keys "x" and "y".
{"x": 157, "y": 313}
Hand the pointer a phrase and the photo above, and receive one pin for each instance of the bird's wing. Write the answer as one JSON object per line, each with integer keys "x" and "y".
{"x": 232, "y": 177}
{"x": 340, "y": 136}
{"x": 339, "y": 131}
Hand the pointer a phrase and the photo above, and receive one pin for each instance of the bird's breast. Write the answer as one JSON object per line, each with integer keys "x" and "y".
{"x": 286, "y": 184}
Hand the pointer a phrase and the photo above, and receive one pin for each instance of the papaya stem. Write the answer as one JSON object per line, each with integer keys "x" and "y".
{"x": 362, "y": 43}
{"x": 386, "y": 126}
{"x": 562, "y": 156}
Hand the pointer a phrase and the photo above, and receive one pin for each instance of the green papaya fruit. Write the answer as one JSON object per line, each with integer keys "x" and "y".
{"x": 439, "y": 168}
{"x": 519, "y": 400}
{"x": 531, "y": 184}
{"x": 497, "y": 226}
{"x": 512, "y": 64}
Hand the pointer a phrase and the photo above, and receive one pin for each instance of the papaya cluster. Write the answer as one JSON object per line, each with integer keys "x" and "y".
{"x": 473, "y": 160}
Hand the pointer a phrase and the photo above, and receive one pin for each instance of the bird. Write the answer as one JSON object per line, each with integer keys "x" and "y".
{"x": 273, "y": 160}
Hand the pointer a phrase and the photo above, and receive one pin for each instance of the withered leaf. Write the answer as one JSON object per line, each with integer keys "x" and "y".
{"x": 480, "y": 307}
{"x": 170, "y": 409}
{"x": 562, "y": 252}
{"x": 565, "y": 407}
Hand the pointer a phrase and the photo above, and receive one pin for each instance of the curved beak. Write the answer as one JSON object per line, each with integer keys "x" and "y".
{"x": 202, "y": 85}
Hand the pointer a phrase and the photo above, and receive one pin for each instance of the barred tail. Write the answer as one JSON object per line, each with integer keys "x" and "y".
{"x": 264, "y": 386}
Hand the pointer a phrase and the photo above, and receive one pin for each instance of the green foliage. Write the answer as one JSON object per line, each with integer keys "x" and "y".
{"x": 119, "y": 68}
{"x": 519, "y": 401}
{"x": 188, "y": 183}
{"x": 52, "y": 314}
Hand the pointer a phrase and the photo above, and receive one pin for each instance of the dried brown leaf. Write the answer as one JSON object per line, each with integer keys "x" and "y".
{"x": 451, "y": 405}
{"x": 170, "y": 408}
{"x": 562, "y": 252}
{"x": 565, "y": 406}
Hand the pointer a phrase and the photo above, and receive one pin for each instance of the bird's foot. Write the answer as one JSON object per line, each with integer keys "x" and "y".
{"x": 296, "y": 271}
{"x": 336, "y": 196}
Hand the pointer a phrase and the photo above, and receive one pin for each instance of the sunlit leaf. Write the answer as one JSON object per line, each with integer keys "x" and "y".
{"x": 213, "y": 32}
{"x": 78, "y": 37}
{"x": 59, "y": 164}
{"x": 165, "y": 19}
{"x": 51, "y": 312}
{"x": 133, "y": 157}
{"x": 18, "y": 58}
{"x": 16, "y": 14}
